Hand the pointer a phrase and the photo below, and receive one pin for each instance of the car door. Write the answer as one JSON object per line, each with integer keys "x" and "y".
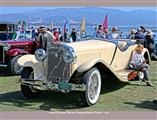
{"x": 122, "y": 55}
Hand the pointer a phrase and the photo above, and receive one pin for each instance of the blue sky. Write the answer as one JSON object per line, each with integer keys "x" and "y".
{"x": 18, "y": 9}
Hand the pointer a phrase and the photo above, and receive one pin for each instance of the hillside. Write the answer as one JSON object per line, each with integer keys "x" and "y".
{"x": 94, "y": 15}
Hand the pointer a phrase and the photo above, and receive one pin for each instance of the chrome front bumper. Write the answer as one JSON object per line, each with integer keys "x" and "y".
{"x": 3, "y": 65}
{"x": 60, "y": 86}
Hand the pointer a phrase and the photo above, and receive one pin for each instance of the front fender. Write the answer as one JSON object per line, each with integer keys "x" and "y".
{"x": 27, "y": 60}
{"x": 87, "y": 65}
{"x": 15, "y": 52}
{"x": 30, "y": 61}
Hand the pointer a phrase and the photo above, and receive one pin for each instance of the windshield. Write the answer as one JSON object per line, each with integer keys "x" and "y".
{"x": 23, "y": 37}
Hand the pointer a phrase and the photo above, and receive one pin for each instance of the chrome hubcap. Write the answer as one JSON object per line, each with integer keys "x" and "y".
{"x": 93, "y": 86}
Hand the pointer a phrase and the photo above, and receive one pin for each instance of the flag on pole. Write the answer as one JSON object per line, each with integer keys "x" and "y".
{"x": 65, "y": 26}
{"x": 105, "y": 24}
{"x": 83, "y": 26}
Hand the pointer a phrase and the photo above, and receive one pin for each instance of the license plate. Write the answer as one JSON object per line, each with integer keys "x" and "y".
{"x": 64, "y": 86}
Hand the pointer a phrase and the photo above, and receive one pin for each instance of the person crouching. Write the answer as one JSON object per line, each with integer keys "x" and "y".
{"x": 138, "y": 63}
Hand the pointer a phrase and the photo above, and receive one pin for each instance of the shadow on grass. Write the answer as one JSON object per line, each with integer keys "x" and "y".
{"x": 144, "y": 105}
{"x": 48, "y": 101}
{"x": 14, "y": 99}
{"x": 111, "y": 85}
{"x": 52, "y": 101}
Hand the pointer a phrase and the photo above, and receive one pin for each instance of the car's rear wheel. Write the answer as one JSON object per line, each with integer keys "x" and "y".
{"x": 26, "y": 90}
{"x": 14, "y": 67}
{"x": 92, "y": 79}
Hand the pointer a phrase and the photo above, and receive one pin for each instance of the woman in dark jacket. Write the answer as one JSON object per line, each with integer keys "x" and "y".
{"x": 149, "y": 42}
{"x": 74, "y": 35}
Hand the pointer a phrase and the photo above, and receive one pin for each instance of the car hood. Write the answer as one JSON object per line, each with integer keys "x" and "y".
{"x": 90, "y": 45}
{"x": 17, "y": 42}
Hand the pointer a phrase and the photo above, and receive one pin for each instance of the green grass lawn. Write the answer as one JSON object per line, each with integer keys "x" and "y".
{"x": 114, "y": 97}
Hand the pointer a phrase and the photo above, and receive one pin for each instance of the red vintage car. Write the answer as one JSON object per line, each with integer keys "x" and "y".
{"x": 11, "y": 50}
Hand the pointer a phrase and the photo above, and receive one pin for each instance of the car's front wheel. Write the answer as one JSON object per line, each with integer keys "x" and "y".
{"x": 26, "y": 90}
{"x": 92, "y": 79}
{"x": 14, "y": 67}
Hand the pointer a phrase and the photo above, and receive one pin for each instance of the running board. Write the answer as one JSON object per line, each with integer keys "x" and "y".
{"x": 124, "y": 73}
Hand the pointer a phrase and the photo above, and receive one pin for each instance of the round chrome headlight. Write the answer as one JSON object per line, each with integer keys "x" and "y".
{"x": 40, "y": 55}
{"x": 7, "y": 47}
{"x": 69, "y": 57}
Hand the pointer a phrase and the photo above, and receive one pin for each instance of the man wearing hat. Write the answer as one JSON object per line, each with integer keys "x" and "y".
{"x": 114, "y": 33}
{"x": 140, "y": 35}
{"x": 149, "y": 44}
{"x": 132, "y": 34}
{"x": 45, "y": 38}
{"x": 143, "y": 29}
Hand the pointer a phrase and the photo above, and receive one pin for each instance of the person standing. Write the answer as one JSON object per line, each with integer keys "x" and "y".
{"x": 140, "y": 35}
{"x": 65, "y": 35}
{"x": 143, "y": 30}
{"x": 36, "y": 35}
{"x": 95, "y": 32}
{"x": 74, "y": 34}
{"x": 132, "y": 34}
{"x": 149, "y": 44}
{"x": 33, "y": 33}
{"x": 56, "y": 34}
{"x": 14, "y": 36}
{"x": 100, "y": 33}
{"x": 114, "y": 33}
{"x": 45, "y": 38}
{"x": 60, "y": 35}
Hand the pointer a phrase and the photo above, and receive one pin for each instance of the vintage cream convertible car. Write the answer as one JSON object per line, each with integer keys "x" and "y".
{"x": 76, "y": 66}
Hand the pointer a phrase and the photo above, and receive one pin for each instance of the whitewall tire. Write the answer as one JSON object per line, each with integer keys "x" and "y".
{"x": 92, "y": 79}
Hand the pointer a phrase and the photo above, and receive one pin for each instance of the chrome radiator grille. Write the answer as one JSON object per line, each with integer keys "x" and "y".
{"x": 58, "y": 70}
